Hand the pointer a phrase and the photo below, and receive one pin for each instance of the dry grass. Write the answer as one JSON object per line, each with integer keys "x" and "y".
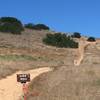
{"x": 12, "y": 63}
{"x": 72, "y": 84}
{"x": 66, "y": 82}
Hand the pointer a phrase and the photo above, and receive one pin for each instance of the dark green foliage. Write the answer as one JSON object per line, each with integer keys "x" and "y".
{"x": 41, "y": 27}
{"x": 76, "y": 35}
{"x": 91, "y": 39}
{"x": 37, "y": 26}
{"x": 10, "y": 24}
{"x": 60, "y": 40}
{"x": 29, "y": 25}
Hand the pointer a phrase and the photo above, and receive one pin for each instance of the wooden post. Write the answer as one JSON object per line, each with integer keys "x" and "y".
{"x": 25, "y": 90}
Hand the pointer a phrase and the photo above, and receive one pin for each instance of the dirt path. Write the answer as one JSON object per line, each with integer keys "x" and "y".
{"x": 81, "y": 51}
{"x": 10, "y": 89}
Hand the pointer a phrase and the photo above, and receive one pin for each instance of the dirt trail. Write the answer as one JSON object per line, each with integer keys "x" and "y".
{"x": 10, "y": 89}
{"x": 81, "y": 50}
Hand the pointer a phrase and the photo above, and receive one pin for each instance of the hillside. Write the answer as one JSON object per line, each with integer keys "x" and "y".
{"x": 28, "y": 51}
{"x": 76, "y": 71}
{"x": 70, "y": 82}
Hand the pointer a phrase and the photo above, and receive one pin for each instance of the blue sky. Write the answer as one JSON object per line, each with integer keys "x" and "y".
{"x": 61, "y": 15}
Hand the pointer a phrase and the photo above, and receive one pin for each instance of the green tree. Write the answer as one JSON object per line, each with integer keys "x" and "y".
{"x": 91, "y": 39}
{"x": 60, "y": 40}
{"x": 11, "y": 24}
{"x": 29, "y": 25}
{"x": 41, "y": 27}
{"x": 76, "y": 35}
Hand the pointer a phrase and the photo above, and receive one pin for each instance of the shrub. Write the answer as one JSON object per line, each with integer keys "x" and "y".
{"x": 11, "y": 24}
{"x": 60, "y": 40}
{"x": 37, "y": 26}
{"x": 29, "y": 25}
{"x": 91, "y": 39}
{"x": 41, "y": 27}
{"x": 76, "y": 35}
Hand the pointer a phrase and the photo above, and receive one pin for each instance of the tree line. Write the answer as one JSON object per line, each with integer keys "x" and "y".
{"x": 15, "y": 26}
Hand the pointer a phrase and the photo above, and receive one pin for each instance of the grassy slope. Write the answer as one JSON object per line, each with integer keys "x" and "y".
{"x": 26, "y": 51}
{"x": 66, "y": 82}
{"x": 70, "y": 82}
{"x": 19, "y": 52}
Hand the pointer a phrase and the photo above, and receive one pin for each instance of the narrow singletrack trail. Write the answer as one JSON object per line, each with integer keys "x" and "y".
{"x": 10, "y": 89}
{"x": 81, "y": 51}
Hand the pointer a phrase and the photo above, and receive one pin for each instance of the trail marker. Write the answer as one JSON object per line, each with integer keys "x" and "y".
{"x": 23, "y": 78}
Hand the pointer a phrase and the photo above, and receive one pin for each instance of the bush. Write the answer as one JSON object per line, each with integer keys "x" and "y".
{"x": 10, "y": 24}
{"x": 60, "y": 40}
{"x": 37, "y": 26}
{"x": 91, "y": 39}
{"x": 41, "y": 27}
{"x": 29, "y": 25}
{"x": 76, "y": 35}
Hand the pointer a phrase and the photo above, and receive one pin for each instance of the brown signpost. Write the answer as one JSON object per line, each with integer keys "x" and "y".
{"x": 23, "y": 78}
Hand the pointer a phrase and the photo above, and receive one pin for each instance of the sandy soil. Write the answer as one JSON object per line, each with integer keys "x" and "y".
{"x": 10, "y": 89}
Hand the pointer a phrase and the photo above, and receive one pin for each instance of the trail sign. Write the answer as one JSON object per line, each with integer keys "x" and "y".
{"x": 23, "y": 78}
